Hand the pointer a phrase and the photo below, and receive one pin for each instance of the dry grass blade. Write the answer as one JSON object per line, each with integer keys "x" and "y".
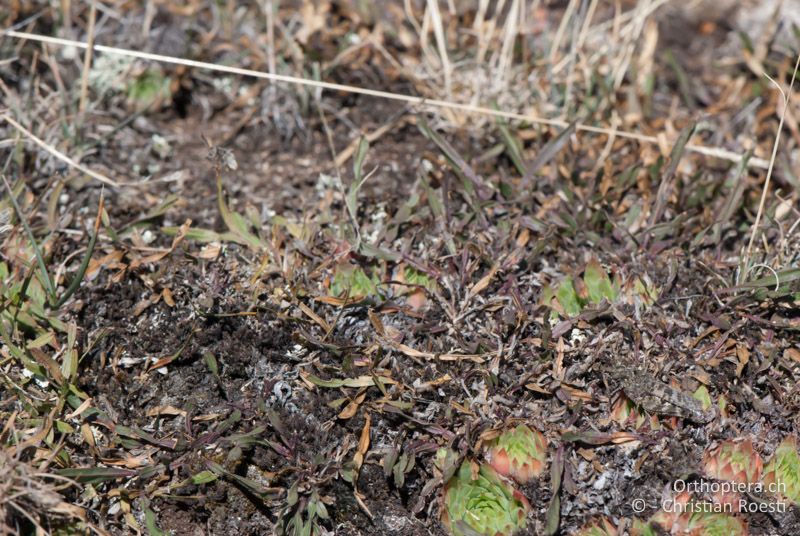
{"x": 506, "y": 55}
{"x": 549, "y": 151}
{"x": 664, "y": 189}
{"x": 734, "y": 198}
{"x": 460, "y": 165}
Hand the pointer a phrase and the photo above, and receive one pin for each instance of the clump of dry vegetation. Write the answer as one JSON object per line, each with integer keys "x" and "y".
{"x": 32, "y": 497}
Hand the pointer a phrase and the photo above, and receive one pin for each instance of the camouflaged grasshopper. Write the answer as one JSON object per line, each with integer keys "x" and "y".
{"x": 658, "y": 398}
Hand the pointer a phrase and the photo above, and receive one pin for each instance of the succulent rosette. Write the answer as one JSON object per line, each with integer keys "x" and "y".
{"x": 782, "y": 474}
{"x": 482, "y": 504}
{"x": 599, "y": 527}
{"x": 734, "y": 462}
{"x": 682, "y": 519}
{"x": 715, "y": 524}
{"x": 520, "y": 453}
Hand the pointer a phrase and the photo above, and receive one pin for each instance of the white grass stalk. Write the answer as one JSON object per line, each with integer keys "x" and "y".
{"x": 510, "y": 32}
{"x": 642, "y": 12}
{"x": 441, "y": 43}
{"x": 87, "y": 59}
{"x": 480, "y": 31}
{"x": 587, "y": 23}
{"x": 562, "y": 28}
{"x": 269, "y": 12}
{"x": 494, "y": 60}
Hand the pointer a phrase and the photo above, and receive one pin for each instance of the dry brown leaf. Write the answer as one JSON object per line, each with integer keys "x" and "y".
{"x": 80, "y": 409}
{"x": 210, "y": 251}
{"x": 481, "y": 285}
{"x": 167, "y": 295}
{"x": 312, "y": 16}
{"x": 142, "y": 306}
{"x": 130, "y": 462}
{"x": 523, "y": 237}
{"x": 315, "y": 317}
{"x": 352, "y": 407}
{"x": 363, "y": 443}
{"x": 792, "y": 353}
{"x": 411, "y": 352}
{"x": 558, "y": 363}
{"x": 694, "y": 342}
{"x": 376, "y": 322}
{"x": 417, "y": 300}
{"x": 47, "y": 362}
{"x": 88, "y": 436}
{"x": 743, "y": 356}
{"x": 577, "y": 393}
{"x": 623, "y": 437}
{"x": 36, "y": 438}
{"x": 207, "y": 417}
{"x": 165, "y": 410}
{"x": 537, "y": 389}
{"x": 110, "y": 261}
{"x": 333, "y": 300}
{"x": 182, "y": 230}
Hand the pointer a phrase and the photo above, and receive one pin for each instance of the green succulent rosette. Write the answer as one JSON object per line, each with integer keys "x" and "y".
{"x": 484, "y": 506}
{"x": 782, "y": 474}
{"x": 520, "y": 453}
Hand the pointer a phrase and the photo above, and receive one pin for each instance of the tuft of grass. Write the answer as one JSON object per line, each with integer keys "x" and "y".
{"x": 53, "y": 299}
{"x": 746, "y": 264}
